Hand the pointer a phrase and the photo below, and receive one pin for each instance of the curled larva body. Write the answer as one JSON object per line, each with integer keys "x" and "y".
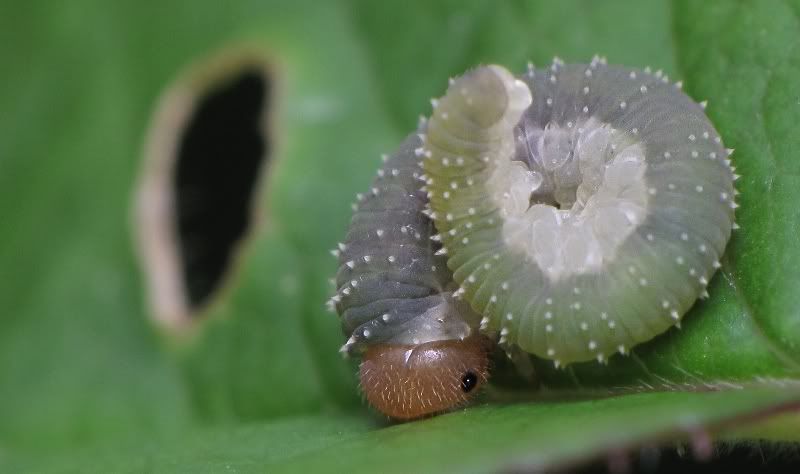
{"x": 421, "y": 353}
{"x": 583, "y": 208}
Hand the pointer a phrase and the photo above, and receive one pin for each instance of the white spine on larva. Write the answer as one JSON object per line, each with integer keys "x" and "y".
{"x": 391, "y": 285}
{"x": 603, "y": 205}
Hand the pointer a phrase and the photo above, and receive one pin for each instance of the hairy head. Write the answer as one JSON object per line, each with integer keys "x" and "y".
{"x": 406, "y": 381}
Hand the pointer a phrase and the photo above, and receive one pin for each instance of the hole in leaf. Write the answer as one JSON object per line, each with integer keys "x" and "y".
{"x": 197, "y": 200}
{"x": 218, "y": 162}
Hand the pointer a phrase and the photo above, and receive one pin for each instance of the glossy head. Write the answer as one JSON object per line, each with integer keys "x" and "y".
{"x": 406, "y": 382}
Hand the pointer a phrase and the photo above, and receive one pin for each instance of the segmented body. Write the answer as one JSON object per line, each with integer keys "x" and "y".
{"x": 583, "y": 208}
{"x": 391, "y": 287}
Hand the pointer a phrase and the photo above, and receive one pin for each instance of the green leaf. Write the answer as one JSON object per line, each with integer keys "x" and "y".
{"x": 87, "y": 382}
{"x": 518, "y": 437}
{"x": 749, "y": 69}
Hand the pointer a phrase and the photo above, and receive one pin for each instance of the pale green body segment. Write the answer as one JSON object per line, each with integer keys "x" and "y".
{"x": 583, "y": 208}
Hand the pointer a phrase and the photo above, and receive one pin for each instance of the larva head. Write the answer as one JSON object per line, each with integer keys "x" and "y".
{"x": 406, "y": 382}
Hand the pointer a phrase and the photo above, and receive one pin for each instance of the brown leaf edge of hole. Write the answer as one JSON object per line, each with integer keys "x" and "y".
{"x": 155, "y": 213}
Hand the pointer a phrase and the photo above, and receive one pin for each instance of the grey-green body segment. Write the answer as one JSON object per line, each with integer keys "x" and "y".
{"x": 391, "y": 287}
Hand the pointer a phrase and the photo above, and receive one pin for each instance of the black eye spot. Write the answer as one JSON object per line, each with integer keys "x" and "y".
{"x": 469, "y": 381}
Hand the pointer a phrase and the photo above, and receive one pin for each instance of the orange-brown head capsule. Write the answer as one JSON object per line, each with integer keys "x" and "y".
{"x": 406, "y": 381}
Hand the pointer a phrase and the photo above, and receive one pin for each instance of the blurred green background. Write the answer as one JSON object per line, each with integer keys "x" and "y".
{"x": 87, "y": 382}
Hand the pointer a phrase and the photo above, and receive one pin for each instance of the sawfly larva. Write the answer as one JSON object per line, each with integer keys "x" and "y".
{"x": 582, "y": 209}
